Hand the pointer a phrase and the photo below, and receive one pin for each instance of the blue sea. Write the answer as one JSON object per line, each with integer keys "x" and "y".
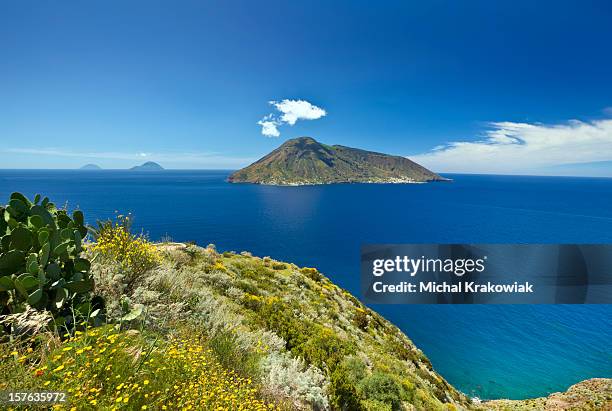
{"x": 487, "y": 351}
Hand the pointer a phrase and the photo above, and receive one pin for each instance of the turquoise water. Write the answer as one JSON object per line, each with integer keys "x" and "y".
{"x": 487, "y": 351}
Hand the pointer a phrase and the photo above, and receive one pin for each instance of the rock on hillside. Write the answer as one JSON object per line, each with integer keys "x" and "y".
{"x": 590, "y": 395}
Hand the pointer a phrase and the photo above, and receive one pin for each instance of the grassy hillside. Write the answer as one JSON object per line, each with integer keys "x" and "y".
{"x": 290, "y": 338}
{"x": 209, "y": 330}
{"x": 308, "y": 343}
{"x": 306, "y": 161}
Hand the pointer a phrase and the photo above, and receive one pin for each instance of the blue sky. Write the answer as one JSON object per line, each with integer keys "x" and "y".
{"x": 508, "y": 87}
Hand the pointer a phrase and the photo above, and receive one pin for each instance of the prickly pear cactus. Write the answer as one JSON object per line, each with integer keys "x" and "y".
{"x": 40, "y": 259}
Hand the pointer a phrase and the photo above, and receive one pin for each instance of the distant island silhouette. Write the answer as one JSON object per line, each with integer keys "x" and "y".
{"x": 91, "y": 167}
{"x": 148, "y": 166}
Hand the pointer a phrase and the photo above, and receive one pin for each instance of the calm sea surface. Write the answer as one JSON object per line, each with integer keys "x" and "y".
{"x": 487, "y": 351}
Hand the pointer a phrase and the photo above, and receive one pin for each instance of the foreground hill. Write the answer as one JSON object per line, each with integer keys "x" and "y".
{"x": 208, "y": 330}
{"x": 319, "y": 347}
{"x": 304, "y": 161}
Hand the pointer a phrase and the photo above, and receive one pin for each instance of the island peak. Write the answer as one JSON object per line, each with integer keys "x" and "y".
{"x": 91, "y": 167}
{"x": 148, "y": 166}
{"x": 305, "y": 161}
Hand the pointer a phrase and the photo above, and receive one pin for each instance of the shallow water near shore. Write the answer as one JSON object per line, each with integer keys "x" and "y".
{"x": 486, "y": 351}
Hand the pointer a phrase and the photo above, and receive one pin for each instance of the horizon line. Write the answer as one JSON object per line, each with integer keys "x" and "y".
{"x": 235, "y": 169}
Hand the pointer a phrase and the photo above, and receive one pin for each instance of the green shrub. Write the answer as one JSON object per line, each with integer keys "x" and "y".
{"x": 408, "y": 389}
{"x": 247, "y": 287}
{"x": 324, "y": 348}
{"x": 279, "y": 266}
{"x": 318, "y": 345}
{"x": 383, "y": 388}
{"x": 249, "y": 273}
{"x": 312, "y": 273}
{"x": 252, "y": 302}
{"x": 360, "y": 318}
{"x": 278, "y": 317}
{"x": 423, "y": 400}
{"x": 374, "y": 405}
{"x": 40, "y": 259}
{"x": 343, "y": 382}
{"x": 399, "y": 347}
{"x": 355, "y": 368}
{"x": 343, "y": 393}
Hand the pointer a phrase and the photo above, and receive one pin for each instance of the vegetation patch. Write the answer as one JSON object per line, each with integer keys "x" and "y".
{"x": 185, "y": 327}
{"x": 102, "y": 368}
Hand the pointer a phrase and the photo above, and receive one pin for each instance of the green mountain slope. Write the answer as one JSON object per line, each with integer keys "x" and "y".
{"x": 304, "y": 161}
{"x": 211, "y": 330}
{"x": 296, "y": 314}
{"x": 316, "y": 346}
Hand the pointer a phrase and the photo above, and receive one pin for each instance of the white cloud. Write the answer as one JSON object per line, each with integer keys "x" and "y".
{"x": 294, "y": 110}
{"x": 269, "y": 126}
{"x": 523, "y": 148}
{"x": 290, "y": 112}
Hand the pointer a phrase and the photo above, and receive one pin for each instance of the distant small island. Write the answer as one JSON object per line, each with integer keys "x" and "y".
{"x": 91, "y": 167}
{"x": 148, "y": 166}
{"x": 305, "y": 161}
